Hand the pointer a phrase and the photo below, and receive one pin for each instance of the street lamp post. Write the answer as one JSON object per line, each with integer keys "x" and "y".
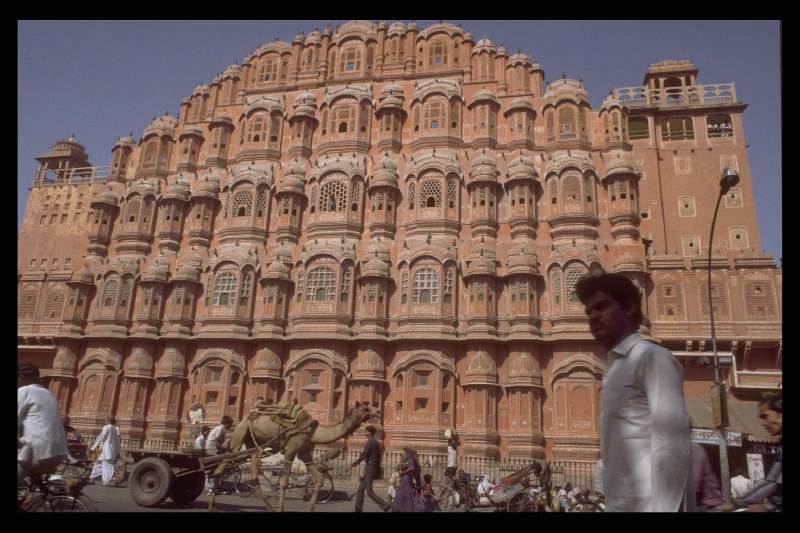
{"x": 728, "y": 180}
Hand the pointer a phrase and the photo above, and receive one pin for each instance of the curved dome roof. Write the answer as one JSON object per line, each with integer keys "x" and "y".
{"x": 566, "y": 89}
{"x": 384, "y": 174}
{"x": 291, "y": 184}
{"x": 481, "y": 367}
{"x": 483, "y": 168}
{"x": 164, "y": 124}
{"x": 375, "y": 268}
{"x": 525, "y": 370}
{"x": 628, "y": 262}
{"x": 521, "y": 167}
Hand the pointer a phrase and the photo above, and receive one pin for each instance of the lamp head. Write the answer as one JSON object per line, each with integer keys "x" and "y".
{"x": 729, "y": 179}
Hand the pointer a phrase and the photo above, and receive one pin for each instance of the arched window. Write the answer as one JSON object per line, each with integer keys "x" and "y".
{"x": 313, "y": 198}
{"x": 572, "y": 276}
{"x": 150, "y": 152}
{"x": 435, "y": 114}
{"x": 719, "y": 126}
{"x": 343, "y": 118}
{"x": 133, "y": 210}
{"x": 321, "y": 285}
{"x": 333, "y": 196}
{"x": 257, "y": 128}
{"x": 449, "y": 281}
{"x": 556, "y": 285}
{"x": 438, "y": 53}
{"x": 551, "y": 128}
{"x": 344, "y": 287}
{"x": 355, "y": 196}
{"x": 566, "y": 124}
{"x": 351, "y": 60}
{"x": 244, "y": 290}
{"x": 426, "y": 286}
{"x": 430, "y": 193}
{"x": 412, "y": 195}
{"x": 242, "y": 204}
{"x": 274, "y": 128}
{"x": 225, "y": 288}
{"x": 124, "y": 293}
{"x": 404, "y": 287}
{"x": 110, "y": 292}
{"x": 269, "y": 70}
{"x": 261, "y": 204}
{"x": 677, "y": 129}
{"x": 452, "y": 193}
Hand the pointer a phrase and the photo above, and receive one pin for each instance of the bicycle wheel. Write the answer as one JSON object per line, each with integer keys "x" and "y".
{"x": 37, "y": 504}
{"x": 326, "y": 489}
{"x": 241, "y": 487}
{"x": 71, "y": 504}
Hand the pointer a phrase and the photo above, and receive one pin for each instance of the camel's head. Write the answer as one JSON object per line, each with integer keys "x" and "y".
{"x": 363, "y": 412}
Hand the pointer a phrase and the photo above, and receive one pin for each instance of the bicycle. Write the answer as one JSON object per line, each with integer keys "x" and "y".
{"x": 298, "y": 481}
{"x": 48, "y": 493}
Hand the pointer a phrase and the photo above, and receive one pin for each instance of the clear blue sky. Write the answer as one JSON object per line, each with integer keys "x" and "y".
{"x": 102, "y": 80}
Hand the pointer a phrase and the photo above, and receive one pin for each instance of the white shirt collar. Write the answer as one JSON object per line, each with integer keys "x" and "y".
{"x": 624, "y": 346}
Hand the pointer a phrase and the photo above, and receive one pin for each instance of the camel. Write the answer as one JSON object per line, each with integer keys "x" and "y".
{"x": 299, "y": 442}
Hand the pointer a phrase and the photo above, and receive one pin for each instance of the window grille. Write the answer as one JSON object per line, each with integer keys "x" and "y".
{"x": 28, "y": 304}
{"x": 759, "y": 299}
{"x": 313, "y": 198}
{"x": 110, "y": 292}
{"x": 404, "y": 287}
{"x": 572, "y": 277}
{"x": 124, "y": 293}
{"x": 435, "y": 115}
{"x": 719, "y": 292}
{"x": 257, "y": 128}
{"x": 300, "y": 286}
{"x": 333, "y": 196}
{"x": 448, "y": 285}
{"x": 261, "y": 204}
{"x": 556, "y": 286}
{"x": 345, "y": 287}
{"x": 372, "y": 292}
{"x": 668, "y": 300}
{"x": 242, "y": 204}
{"x": 225, "y": 288}
{"x": 177, "y": 298}
{"x": 355, "y": 195}
{"x": 426, "y": 286}
{"x": 438, "y": 53}
{"x": 412, "y": 194}
{"x": 452, "y": 191}
{"x": 244, "y": 290}
{"x": 377, "y": 201}
{"x": 430, "y": 192}
{"x": 270, "y": 296}
{"x": 285, "y": 205}
{"x": 321, "y": 284}
{"x": 566, "y": 124}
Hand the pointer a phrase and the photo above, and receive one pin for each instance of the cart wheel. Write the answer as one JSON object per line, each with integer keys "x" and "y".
{"x": 150, "y": 482}
{"x": 186, "y": 489}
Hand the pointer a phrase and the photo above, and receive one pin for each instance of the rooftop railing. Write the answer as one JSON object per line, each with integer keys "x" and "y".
{"x": 72, "y": 176}
{"x": 690, "y": 95}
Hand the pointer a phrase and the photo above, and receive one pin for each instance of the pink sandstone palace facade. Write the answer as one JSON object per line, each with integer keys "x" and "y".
{"x": 395, "y": 215}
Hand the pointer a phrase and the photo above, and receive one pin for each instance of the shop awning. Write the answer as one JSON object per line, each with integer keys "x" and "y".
{"x": 742, "y": 417}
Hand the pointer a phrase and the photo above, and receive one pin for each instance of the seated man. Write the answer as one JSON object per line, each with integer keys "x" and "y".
{"x": 41, "y": 441}
{"x": 485, "y": 488}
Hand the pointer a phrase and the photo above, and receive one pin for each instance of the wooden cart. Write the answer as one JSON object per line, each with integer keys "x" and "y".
{"x": 158, "y": 475}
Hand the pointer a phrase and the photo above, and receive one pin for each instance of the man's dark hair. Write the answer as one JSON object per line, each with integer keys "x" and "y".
{"x": 205, "y": 429}
{"x": 773, "y": 400}
{"x": 370, "y": 429}
{"x": 226, "y": 420}
{"x": 619, "y": 287}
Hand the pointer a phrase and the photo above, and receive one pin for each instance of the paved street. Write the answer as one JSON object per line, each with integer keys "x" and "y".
{"x": 110, "y": 499}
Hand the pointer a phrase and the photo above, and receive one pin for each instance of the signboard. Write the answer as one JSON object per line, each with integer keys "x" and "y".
{"x": 710, "y": 436}
{"x": 755, "y": 466}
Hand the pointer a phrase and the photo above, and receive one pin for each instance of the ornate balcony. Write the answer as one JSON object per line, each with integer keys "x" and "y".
{"x": 672, "y": 97}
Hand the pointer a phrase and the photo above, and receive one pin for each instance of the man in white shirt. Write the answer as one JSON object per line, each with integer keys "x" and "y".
{"x": 644, "y": 427}
{"x": 485, "y": 488}
{"x": 200, "y": 441}
{"x": 740, "y": 485}
{"x": 108, "y": 442}
{"x": 215, "y": 445}
{"x": 41, "y": 441}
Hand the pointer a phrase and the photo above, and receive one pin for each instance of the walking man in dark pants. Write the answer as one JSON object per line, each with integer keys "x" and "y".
{"x": 372, "y": 456}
